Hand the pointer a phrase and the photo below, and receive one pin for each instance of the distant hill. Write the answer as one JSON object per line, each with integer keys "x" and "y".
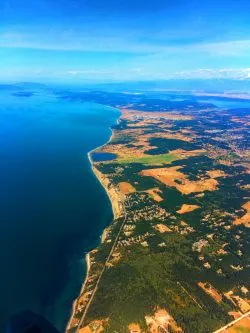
{"x": 206, "y": 85}
{"x": 138, "y": 101}
{"x": 24, "y": 86}
{"x": 183, "y": 85}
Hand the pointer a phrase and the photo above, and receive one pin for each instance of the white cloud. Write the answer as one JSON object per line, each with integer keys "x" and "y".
{"x": 140, "y": 74}
{"x": 209, "y": 73}
{"x": 227, "y": 48}
{"x": 113, "y": 41}
{"x": 148, "y": 59}
{"x": 89, "y": 72}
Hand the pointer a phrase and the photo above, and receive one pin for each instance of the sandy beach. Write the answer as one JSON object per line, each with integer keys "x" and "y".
{"x": 117, "y": 208}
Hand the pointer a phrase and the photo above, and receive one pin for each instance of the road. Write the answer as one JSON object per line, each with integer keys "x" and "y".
{"x": 222, "y": 329}
{"x": 103, "y": 270}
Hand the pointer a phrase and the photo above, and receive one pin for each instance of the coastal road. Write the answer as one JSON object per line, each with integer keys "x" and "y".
{"x": 103, "y": 270}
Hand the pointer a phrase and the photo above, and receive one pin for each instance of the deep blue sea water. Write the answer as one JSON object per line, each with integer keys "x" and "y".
{"x": 53, "y": 209}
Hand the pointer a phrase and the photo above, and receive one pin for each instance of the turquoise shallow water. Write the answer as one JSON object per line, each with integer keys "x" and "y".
{"x": 53, "y": 209}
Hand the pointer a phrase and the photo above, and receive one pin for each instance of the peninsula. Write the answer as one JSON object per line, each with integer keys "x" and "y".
{"x": 176, "y": 256}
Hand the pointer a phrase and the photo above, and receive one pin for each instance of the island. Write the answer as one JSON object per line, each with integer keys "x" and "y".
{"x": 176, "y": 256}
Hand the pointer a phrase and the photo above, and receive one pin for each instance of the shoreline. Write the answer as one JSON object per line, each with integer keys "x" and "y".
{"x": 101, "y": 179}
{"x": 107, "y": 290}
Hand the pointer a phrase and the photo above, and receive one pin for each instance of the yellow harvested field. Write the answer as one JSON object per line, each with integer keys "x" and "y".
{"x": 211, "y": 291}
{"x": 154, "y": 192}
{"x": 187, "y": 153}
{"x": 135, "y": 114}
{"x": 187, "y": 208}
{"x": 162, "y": 228}
{"x": 144, "y": 123}
{"x": 225, "y": 162}
{"x": 216, "y": 173}
{"x": 162, "y": 321}
{"x": 174, "y": 178}
{"x": 134, "y": 328}
{"x": 245, "y": 219}
{"x": 95, "y": 326}
{"x": 85, "y": 329}
{"x": 242, "y": 325}
{"x": 246, "y": 187}
{"x": 235, "y": 314}
{"x": 126, "y": 188}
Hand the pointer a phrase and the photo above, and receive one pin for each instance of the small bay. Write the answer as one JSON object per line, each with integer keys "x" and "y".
{"x": 103, "y": 156}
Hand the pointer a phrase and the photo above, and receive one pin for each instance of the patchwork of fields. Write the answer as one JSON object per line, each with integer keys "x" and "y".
{"x": 176, "y": 257}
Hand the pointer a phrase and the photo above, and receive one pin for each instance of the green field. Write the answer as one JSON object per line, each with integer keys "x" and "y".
{"x": 149, "y": 159}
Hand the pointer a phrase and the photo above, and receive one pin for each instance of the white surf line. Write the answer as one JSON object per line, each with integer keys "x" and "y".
{"x": 103, "y": 270}
{"x": 87, "y": 257}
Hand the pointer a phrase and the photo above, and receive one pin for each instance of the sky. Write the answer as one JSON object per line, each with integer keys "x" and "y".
{"x": 123, "y": 40}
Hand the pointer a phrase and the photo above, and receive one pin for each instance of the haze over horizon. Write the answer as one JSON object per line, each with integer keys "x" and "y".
{"x": 78, "y": 41}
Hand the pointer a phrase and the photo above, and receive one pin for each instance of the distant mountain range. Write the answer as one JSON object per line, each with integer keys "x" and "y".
{"x": 23, "y": 86}
{"x": 183, "y": 86}
{"x": 208, "y": 85}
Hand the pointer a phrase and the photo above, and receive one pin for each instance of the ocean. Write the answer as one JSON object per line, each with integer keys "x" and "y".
{"x": 53, "y": 209}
